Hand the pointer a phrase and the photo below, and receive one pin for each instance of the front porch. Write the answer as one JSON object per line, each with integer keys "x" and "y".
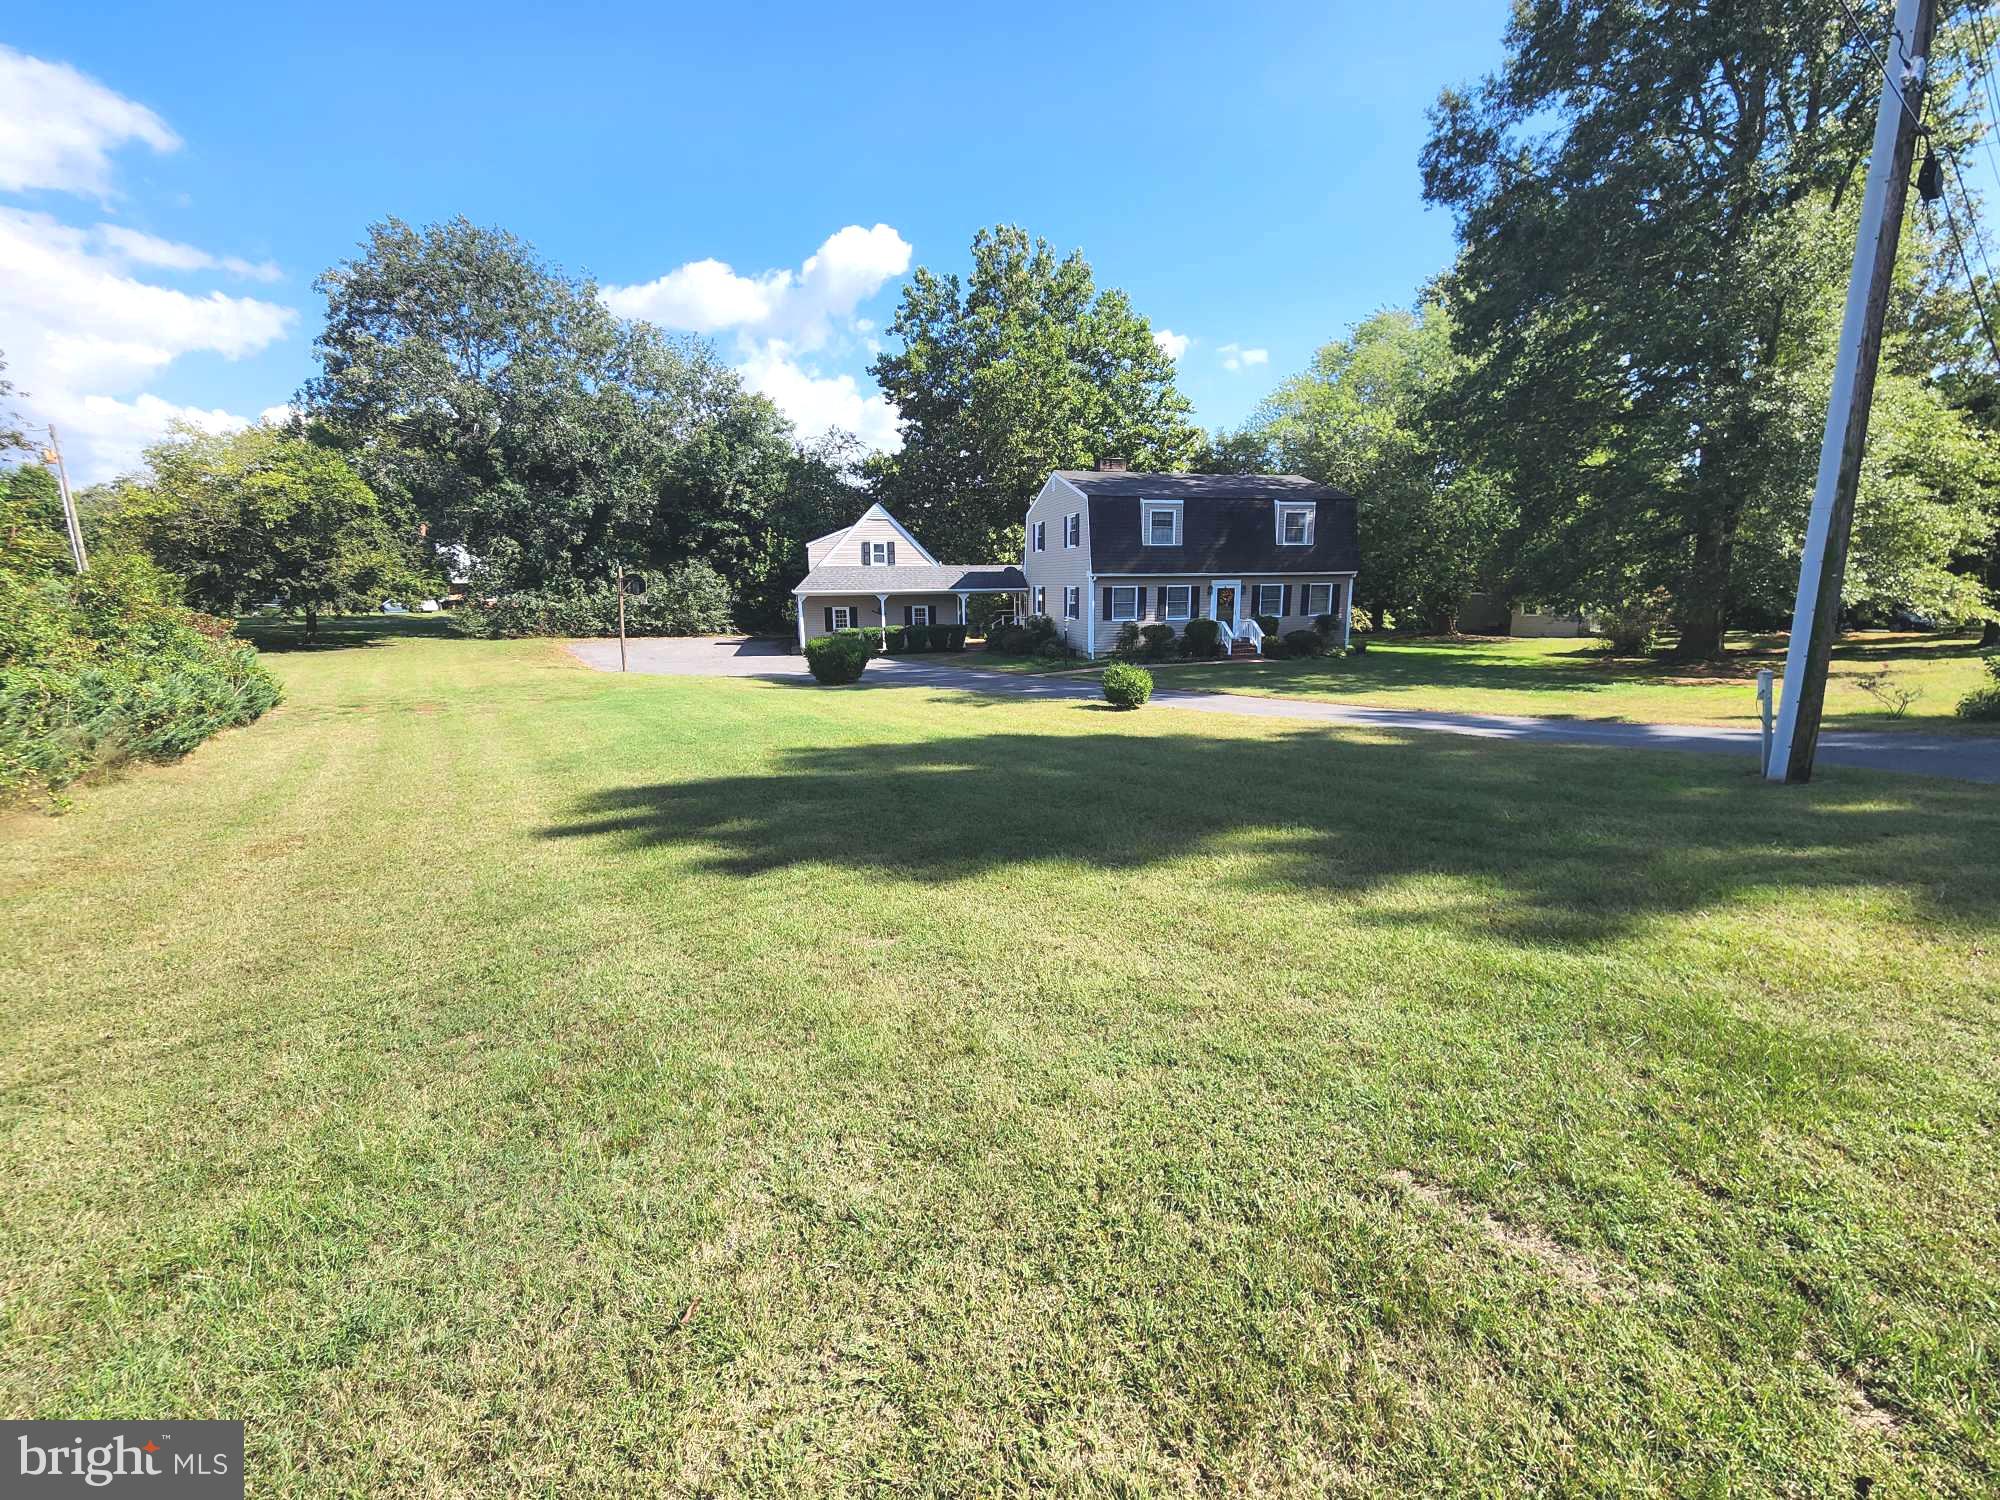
{"x": 833, "y": 599}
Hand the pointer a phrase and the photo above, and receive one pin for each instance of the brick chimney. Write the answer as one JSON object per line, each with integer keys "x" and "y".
{"x": 1111, "y": 466}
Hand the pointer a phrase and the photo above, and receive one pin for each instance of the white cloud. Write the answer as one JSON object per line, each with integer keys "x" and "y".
{"x": 138, "y": 249}
{"x": 816, "y": 402}
{"x": 800, "y": 307}
{"x": 58, "y": 127}
{"x": 1236, "y": 357}
{"x": 83, "y": 337}
{"x": 1172, "y": 344}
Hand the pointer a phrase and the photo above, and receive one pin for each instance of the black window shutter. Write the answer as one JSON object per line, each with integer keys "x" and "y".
{"x": 829, "y": 619}
{"x": 1140, "y": 612}
{"x": 892, "y": 554}
{"x": 906, "y": 614}
{"x": 1107, "y": 604}
{"x": 1288, "y": 601}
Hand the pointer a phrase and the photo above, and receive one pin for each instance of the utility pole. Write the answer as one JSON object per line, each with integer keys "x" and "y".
{"x": 70, "y": 520}
{"x": 1823, "y": 567}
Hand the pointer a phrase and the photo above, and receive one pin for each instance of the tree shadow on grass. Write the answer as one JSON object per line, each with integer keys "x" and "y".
{"x": 342, "y": 632}
{"x": 1577, "y": 845}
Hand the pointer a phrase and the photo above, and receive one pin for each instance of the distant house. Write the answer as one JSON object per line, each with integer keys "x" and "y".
{"x": 1490, "y": 614}
{"x": 1107, "y": 546}
{"x": 874, "y": 573}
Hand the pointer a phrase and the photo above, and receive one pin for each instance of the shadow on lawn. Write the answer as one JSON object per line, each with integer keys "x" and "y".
{"x": 341, "y": 632}
{"x": 1577, "y": 845}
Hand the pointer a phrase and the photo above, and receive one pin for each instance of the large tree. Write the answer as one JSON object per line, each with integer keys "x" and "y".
{"x": 1644, "y": 193}
{"x": 1023, "y": 367}
{"x": 1356, "y": 418}
{"x": 546, "y": 438}
{"x": 263, "y": 515}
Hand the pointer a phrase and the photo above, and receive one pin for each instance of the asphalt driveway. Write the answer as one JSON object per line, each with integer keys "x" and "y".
{"x": 1960, "y": 758}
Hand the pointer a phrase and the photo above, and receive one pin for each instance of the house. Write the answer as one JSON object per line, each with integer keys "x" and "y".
{"x": 1491, "y": 614}
{"x": 1106, "y": 546}
{"x": 874, "y": 573}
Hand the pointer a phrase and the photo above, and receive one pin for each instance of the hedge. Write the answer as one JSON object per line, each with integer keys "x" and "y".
{"x": 837, "y": 659}
{"x": 107, "y": 668}
{"x": 1127, "y": 686}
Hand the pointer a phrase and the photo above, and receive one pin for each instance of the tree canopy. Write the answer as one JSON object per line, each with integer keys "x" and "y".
{"x": 1023, "y": 367}
{"x": 263, "y": 515}
{"x": 1654, "y": 211}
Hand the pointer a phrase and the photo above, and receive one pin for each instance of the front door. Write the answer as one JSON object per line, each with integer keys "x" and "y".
{"x": 1225, "y": 604}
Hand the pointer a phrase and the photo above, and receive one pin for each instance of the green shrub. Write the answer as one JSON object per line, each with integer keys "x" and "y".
{"x": 1305, "y": 643}
{"x": 1201, "y": 639}
{"x": 1327, "y": 625}
{"x": 947, "y": 637}
{"x": 836, "y": 659}
{"x": 1159, "y": 641}
{"x": 1359, "y": 621}
{"x": 868, "y": 637}
{"x": 689, "y": 598}
{"x": 996, "y": 638}
{"x": 1269, "y": 625}
{"x": 108, "y": 667}
{"x": 916, "y": 638}
{"x": 1983, "y": 703}
{"x": 1128, "y": 646}
{"x": 1127, "y": 686}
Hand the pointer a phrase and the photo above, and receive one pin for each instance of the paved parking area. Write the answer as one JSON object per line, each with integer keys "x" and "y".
{"x": 1961, "y": 758}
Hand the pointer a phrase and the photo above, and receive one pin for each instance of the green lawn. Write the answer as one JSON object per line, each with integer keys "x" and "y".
{"x": 1575, "y": 679}
{"x": 496, "y": 1078}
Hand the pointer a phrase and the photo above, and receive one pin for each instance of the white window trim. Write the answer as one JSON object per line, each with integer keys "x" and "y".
{"x": 1308, "y": 511}
{"x": 1041, "y": 599}
{"x": 1147, "y": 510}
{"x": 875, "y": 554}
{"x": 1316, "y": 613}
{"x": 1041, "y": 536}
{"x": 920, "y": 609}
{"x": 1072, "y": 601}
{"x": 1073, "y": 529}
{"x": 1258, "y": 602}
{"x": 1186, "y": 591}
{"x": 1124, "y": 588}
{"x": 838, "y": 611}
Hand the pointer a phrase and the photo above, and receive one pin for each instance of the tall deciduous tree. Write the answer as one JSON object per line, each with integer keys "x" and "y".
{"x": 1022, "y": 368}
{"x": 1356, "y": 418}
{"x": 262, "y": 515}
{"x": 1641, "y": 193}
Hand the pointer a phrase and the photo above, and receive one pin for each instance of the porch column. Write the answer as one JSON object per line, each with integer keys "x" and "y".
{"x": 882, "y": 604}
{"x": 1346, "y": 612}
{"x": 1090, "y": 615}
{"x": 802, "y": 621}
{"x": 963, "y": 618}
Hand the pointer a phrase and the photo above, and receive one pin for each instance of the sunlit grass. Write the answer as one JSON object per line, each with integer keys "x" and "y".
{"x": 493, "y": 1077}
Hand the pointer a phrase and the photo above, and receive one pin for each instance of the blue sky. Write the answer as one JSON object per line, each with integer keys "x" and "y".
{"x": 1247, "y": 174}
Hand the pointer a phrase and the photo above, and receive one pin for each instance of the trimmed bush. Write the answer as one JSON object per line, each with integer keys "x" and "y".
{"x": 836, "y": 659}
{"x": 1128, "y": 646}
{"x": 916, "y": 638}
{"x": 1327, "y": 625}
{"x": 869, "y": 637}
{"x": 947, "y": 637}
{"x": 1305, "y": 643}
{"x": 1983, "y": 703}
{"x": 1269, "y": 625}
{"x": 1127, "y": 686}
{"x": 1159, "y": 641}
{"x": 1201, "y": 639}
{"x": 996, "y": 638}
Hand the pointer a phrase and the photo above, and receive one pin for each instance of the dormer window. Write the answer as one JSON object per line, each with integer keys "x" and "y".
{"x": 1162, "y": 523}
{"x": 1295, "y": 525}
{"x": 878, "y": 554}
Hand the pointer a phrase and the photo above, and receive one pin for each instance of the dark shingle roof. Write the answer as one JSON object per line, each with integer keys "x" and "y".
{"x": 1227, "y": 524}
{"x": 1200, "y": 486}
{"x": 916, "y": 579}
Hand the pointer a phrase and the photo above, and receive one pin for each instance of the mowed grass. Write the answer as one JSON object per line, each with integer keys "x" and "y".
{"x": 1576, "y": 679}
{"x": 491, "y": 1077}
